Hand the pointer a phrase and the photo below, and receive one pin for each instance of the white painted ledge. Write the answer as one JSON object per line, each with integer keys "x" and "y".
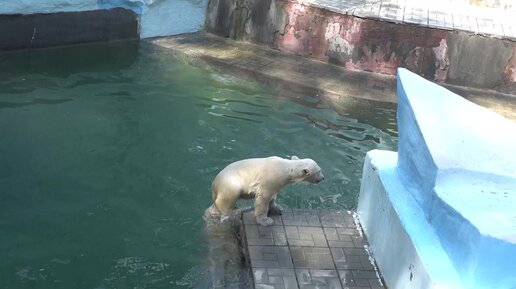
{"x": 405, "y": 246}
{"x": 451, "y": 191}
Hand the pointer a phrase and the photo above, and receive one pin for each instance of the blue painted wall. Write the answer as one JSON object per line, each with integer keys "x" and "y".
{"x": 444, "y": 206}
{"x": 158, "y": 17}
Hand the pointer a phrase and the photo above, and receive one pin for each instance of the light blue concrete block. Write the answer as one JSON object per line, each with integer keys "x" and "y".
{"x": 404, "y": 244}
{"x": 457, "y": 162}
{"x": 171, "y": 17}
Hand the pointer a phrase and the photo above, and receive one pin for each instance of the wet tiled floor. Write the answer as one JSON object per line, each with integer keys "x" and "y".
{"x": 309, "y": 249}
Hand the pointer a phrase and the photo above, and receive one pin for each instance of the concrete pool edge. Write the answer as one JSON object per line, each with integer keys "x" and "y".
{"x": 295, "y": 74}
{"x": 442, "y": 207}
{"x": 278, "y": 69}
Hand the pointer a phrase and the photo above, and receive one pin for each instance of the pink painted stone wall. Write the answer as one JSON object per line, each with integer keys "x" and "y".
{"x": 363, "y": 44}
{"x": 454, "y": 57}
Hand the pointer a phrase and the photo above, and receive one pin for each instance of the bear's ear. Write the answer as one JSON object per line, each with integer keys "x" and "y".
{"x": 305, "y": 172}
{"x": 294, "y": 158}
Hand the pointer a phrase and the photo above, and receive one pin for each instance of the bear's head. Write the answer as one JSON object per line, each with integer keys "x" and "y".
{"x": 306, "y": 170}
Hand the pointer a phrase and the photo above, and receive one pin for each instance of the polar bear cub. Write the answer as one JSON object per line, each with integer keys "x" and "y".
{"x": 261, "y": 179}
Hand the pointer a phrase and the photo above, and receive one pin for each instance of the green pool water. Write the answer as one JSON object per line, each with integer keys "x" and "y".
{"x": 107, "y": 153}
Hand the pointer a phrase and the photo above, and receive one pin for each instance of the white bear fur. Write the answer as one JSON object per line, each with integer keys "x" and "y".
{"x": 261, "y": 179}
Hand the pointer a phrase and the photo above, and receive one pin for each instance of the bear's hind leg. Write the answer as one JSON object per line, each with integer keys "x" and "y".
{"x": 225, "y": 204}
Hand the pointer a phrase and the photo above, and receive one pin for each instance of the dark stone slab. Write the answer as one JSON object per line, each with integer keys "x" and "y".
{"x": 472, "y": 54}
{"x": 253, "y": 20}
{"x": 64, "y": 28}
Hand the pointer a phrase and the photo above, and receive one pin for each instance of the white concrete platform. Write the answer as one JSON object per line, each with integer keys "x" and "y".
{"x": 442, "y": 212}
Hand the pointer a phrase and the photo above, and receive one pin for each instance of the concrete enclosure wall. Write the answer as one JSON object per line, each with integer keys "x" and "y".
{"x": 154, "y": 17}
{"x": 440, "y": 55}
{"x": 44, "y": 30}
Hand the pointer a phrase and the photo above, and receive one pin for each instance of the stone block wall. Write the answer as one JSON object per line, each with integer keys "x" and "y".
{"x": 446, "y": 56}
{"x": 43, "y": 23}
{"x": 64, "y": 28}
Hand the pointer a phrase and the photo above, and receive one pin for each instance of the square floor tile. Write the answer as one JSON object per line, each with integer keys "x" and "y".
{"x": 270, "y": 257}
{"x": 312, "y": 258}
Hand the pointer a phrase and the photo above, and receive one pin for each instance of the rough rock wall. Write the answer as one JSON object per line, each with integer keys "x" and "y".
{"x": 366, "y": 44}
{"x": 248, "y": 20}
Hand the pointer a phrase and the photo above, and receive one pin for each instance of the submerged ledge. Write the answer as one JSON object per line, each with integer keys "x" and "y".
{"x": 298, "y": 75}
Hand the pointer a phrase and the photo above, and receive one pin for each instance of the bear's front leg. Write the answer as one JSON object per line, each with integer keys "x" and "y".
{"x": 261, "y": 208}
{"x": 274, "y": 208}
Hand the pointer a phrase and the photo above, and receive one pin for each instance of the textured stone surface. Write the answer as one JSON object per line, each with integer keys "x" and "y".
{"x": 310, "y": 249}
{"x": 480, "y": 61}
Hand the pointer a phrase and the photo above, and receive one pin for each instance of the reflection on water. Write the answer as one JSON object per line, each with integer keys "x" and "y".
{"x": 108, "y": 152}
